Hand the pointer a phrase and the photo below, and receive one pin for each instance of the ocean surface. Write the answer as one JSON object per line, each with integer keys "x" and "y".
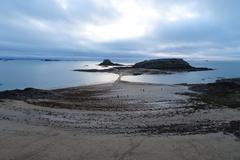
{"x": 20, "y": 74}
{"x": 222, "y": 69}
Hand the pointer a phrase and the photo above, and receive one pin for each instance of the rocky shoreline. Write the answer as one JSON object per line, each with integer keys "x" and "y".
{"x": 222, "y": 93}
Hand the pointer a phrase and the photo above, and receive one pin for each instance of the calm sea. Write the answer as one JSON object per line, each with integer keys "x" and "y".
{"x": 19, "y": 74}
{"x": 223, "y": 69}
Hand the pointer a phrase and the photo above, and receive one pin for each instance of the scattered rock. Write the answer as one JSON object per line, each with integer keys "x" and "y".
{"x": 223, "y": 93}
{"x": 26, "y": 93}
{"x": 232, "y": 127}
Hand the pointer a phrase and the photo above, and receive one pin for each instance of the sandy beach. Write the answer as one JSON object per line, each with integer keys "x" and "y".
{"x": 119, "y": 120}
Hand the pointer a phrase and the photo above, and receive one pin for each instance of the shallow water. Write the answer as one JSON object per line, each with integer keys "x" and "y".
{"x": 223, "y": 69}
{"x": 19, "y": 74}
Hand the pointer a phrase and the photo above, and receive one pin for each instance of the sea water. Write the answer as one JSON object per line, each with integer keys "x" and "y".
{"x": 20, "y": 74}
{"x": 222, "y": 69}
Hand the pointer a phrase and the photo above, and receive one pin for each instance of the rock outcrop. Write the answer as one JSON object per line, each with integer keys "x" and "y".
{"x": 222, "y": 93}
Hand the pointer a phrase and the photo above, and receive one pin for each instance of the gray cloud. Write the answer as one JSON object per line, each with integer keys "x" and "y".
{"x": 114, "y": 28}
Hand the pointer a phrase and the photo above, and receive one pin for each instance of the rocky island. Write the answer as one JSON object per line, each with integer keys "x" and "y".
{"x": 155, "y": 66}
{"x": 173, "y": 64}
{"x": 107, "y": 62}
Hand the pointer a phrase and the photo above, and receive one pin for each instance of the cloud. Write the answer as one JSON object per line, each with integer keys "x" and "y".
{"x": 153, "y": 28}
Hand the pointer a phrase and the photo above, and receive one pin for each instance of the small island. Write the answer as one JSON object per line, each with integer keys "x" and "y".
{"x": 107, "y": 62}
{"x": 165, "y": 64}
{"x": 155, "y": 66}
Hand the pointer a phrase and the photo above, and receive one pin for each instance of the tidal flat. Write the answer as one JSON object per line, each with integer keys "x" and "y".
{"x": 123, "y": 118}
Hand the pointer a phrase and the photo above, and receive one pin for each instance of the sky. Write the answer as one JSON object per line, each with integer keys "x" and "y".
{"x": 196, "y": 29}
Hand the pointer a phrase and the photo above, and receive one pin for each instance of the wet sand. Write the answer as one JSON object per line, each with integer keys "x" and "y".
{"x": 118, "y": 120}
